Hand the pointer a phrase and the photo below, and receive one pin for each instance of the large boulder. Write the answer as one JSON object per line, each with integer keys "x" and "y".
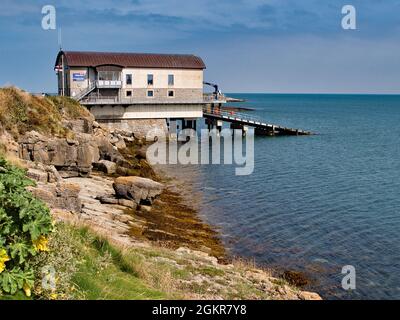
{"x": 59, "y": 195}
{"x": 140, "y": 190}
{"x": 71, "y": 157}
{"x": 106, "y": 166}
{"x": 42, "y": 173}
{"x": 61, "y": 153}
{"x": 37, "y": 175}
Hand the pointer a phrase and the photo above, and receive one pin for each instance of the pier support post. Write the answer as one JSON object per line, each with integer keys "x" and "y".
{"x": 173, "y": 129}
{"x": 244, "y": 130}
{"x": 189, "y": 124}
{"x": 240, "y": 127}
{"x": 219, "y": 125}
{"x": 211, "y": 123}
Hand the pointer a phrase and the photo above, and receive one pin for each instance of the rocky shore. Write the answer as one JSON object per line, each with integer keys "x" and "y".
{"x": 93, "y": 176}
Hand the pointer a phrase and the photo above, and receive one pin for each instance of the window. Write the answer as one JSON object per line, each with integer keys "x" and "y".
{"x": 150, "y": 80}
{"x": 128, "y": 79}
{"x": 129, "y": 93}
{"x": 150, "y": 93}
{"x": 109, "y": 75}
{"x": 171, "y": 93}
{"x": 171, "y": 80}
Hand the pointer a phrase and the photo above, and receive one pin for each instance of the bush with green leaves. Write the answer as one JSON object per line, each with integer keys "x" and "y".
{"x": 25, "y": 223}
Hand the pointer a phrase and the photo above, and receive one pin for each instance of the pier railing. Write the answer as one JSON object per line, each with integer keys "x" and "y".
{"x": 101, "y": 99}
{"x": 240, "y": 116}
{"x": 242, "y": 119}
{"x": 212, "y": 97}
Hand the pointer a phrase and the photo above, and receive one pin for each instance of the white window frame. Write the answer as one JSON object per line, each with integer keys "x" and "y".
{"x": 126, "y": 79}
{"x": 152, "y": 79}
{"x": 173, "y": 80}
{"x": 147, "y": 94}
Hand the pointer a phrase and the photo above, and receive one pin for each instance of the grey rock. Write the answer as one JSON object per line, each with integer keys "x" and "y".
{"x": 140, "y": 190}
{"x": 145, "y": 208}
{"x": 61, "y": 195}
{"x": 37, "y": 175}
{"x": 106, "y": 166}
{"x": 127, "y": 203}
{"x": 120, "y": 144}
{"x": 72, "y": 157}
{"x": 141, "y": 153}
{"x": 107, "y": 200}
{"x": 53, "y": 174}
{"x": 84, "y": 125}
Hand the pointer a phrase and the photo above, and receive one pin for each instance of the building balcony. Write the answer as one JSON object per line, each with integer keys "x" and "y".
{"x": 115, "y": 100}
{"x": 109, "y": 84}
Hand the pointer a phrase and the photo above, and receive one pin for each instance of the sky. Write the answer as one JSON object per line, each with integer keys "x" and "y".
{"x": 271, "y": 46}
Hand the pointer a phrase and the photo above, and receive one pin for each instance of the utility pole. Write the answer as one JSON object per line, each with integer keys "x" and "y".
{"x": 62, "y": 74}
{"x": 62, "y": 62}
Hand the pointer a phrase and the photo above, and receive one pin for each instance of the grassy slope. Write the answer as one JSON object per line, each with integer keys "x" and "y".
{"x": 21, "y": 112}
{"x": 99, "y": 271}
{"x": 102, "y": 271}
{"x": 105, "y": 273}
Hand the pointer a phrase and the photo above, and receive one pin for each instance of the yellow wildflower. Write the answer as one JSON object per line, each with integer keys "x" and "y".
{"x": 27, "y": 289}
{"x": 53, "y": 296}
{"x": 41, "y": 244}
{"x": 3, "y": 259}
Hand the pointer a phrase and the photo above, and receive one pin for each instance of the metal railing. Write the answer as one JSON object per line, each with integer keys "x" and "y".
{"x": 212, "y": 97}
{"x": 86, "y": 91}
{"x": 109, "y": 84}
{"x": 233, "y": 115}
{"x": 101, "y": 84}
{"x": 116, "y": 99}
{"x": 104, "y": 99}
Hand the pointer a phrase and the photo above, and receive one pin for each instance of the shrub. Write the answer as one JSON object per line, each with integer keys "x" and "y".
{"x": 63, "y": 260}
{"x": 25, "y": 224}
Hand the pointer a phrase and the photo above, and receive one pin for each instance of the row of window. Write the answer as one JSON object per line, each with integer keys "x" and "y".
{"x": 109, "y": 75}
{"x": 150, "y": 93}
{"x": 150, "y": 79}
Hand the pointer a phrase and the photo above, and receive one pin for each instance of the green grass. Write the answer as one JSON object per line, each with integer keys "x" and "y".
{"x": 104, "y": 272}
{"x": 18, "y": 296}
{"x": 113, "y": 284}
{"x": 89, "y": 267}
{"x": 210, "y": 271}
{"x": 21, "y": 112}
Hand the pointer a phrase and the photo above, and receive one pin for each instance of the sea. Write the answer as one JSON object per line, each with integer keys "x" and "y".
{"x": 326, "y": 205}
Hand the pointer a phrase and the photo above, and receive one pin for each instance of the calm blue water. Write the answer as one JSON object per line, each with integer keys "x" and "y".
{"x": 317, "y": 203}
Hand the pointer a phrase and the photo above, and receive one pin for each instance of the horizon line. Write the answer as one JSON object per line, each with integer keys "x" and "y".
{"x": 320, "y": 93}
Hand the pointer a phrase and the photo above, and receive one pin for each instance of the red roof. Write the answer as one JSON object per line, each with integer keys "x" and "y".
{"x": 131, "y": 60}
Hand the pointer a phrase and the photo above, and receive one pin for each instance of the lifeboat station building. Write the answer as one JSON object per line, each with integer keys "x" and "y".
{"x": 135, "y": 90}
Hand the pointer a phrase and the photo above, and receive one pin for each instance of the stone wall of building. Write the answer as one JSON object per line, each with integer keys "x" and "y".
{"x": 141, "y": 128}
{"x": 146, "y": 111}
{"x": 161, "y": 94}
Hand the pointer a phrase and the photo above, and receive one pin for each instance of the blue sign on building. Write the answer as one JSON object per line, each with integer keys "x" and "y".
{"x": 81, "y": 76}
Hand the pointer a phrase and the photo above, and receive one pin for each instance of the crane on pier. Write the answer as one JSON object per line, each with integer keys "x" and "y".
{"x": 216, "y": 88}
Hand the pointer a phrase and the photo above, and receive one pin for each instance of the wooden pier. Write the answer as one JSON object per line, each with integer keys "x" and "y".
{"x": 215, "y": 116}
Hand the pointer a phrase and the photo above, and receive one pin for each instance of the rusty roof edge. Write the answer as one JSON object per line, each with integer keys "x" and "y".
{"x": 198, "y": 60}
